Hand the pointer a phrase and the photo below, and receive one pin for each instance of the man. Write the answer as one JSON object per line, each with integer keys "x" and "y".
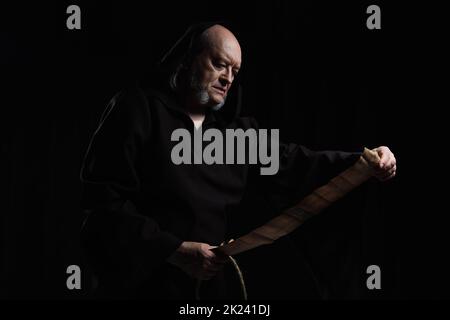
{"x": 152, "y": 224}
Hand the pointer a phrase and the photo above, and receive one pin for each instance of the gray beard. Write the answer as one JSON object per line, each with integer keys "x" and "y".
{"x": 202, "y": 95}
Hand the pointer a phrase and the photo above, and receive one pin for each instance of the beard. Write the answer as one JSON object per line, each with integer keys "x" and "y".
{"x": 201, "y": 93}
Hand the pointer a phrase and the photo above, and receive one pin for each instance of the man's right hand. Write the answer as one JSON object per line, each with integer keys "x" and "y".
{"x": 197, "y": 260}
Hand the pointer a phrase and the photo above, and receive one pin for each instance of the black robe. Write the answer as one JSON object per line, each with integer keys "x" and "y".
{"x": 141, "y": 206}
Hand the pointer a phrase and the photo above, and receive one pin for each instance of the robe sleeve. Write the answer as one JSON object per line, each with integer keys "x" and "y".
{"x": 115, "y": 235}
{"x": 301, "y": 170}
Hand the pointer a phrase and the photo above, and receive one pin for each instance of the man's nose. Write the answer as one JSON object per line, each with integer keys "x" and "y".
{"x": 227, "y": 77}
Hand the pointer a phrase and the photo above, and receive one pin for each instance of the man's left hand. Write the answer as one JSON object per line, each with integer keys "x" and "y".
{"x": 387, "y": 167}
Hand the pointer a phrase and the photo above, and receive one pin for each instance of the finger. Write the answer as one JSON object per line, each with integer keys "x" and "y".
{"x": 218, "y": 261}
{"x": 208, "y": 253}
{"x": 390, "y": 165}
{"x": 387, "y": 165}
{"x": 210, "y": 263}
{"x": 389, "y": 176}
{"x": 391, "y": 162}
{"x": 384, "y": 154}
{"x": 387, "y": 173}
{"x": 214, "y": 263}
{"x": 216, "y": 256}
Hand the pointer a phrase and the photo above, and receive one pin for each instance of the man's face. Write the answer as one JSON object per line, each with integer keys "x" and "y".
{"x": 214, "y": 70}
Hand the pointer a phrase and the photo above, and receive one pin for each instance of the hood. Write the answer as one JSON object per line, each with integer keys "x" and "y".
{"x": 181, "y": 53}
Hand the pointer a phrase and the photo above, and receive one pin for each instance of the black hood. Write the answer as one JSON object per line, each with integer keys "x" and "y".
{"x": 182, "y": 53}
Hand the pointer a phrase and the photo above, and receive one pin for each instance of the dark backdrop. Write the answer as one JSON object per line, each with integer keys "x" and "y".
{"x": 311, "y": 68}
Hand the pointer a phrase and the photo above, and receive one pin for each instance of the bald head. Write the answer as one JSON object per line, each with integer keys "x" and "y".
{"x": 220, "y": 38}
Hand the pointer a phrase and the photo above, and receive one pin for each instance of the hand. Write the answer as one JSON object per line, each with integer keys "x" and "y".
{"x": 197, "y": 260}
{"x": 387, "y": 167}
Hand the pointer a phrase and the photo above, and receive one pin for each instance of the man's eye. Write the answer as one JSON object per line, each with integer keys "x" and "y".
{"x": 219, "y": 65}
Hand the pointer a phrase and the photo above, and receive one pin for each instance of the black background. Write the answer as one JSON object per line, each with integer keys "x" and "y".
{"x": 311, "y": 68}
